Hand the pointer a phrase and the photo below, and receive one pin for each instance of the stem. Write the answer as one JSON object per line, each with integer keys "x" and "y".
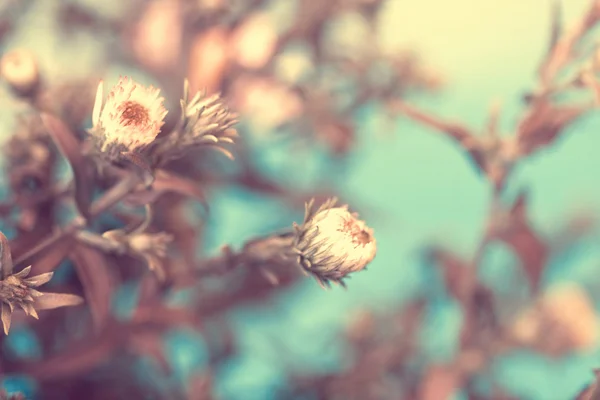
{"x": 110, "y": 198}
{"x": 100, "y": 242}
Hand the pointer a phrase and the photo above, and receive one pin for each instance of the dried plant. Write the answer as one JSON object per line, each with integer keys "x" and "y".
{"x": 140, "y": 155}
{"x": 136, "y": 163}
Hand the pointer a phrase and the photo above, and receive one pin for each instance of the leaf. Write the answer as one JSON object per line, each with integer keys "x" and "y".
{"x": 49, "y": 301}
{"x": 592, "y": 391}
{"x": 454, "y": 130}
{"x": 166, "y": 182}
{"x": 6, "y": 263}
{"x": 80, "y": 356}
{"x": 516, "y": 232}
{"x": 556, "y": 28}
{"x": 70, "y": 147}
{"x": 544, "y": 123}
{"x": 141, "y": 165}
{"x": 94, "y": 273}
{"x": 5, "y": 315}
{"x": 457, "y": 273}
{"x": 51, "y": 258}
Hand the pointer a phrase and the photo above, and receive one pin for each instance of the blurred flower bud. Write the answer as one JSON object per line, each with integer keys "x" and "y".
{"x": 157, "y": 36}
{"x": 332, "y": 243}
{"x": 253, "y": 43}
{"x": 129, "y": 119}
{"x": 265, "y": 102}
{"x": 564, "y": 319}
{"x": 208, "y": 58}
{"x": 149, "y": 247}
{"x": 20, "y": 70}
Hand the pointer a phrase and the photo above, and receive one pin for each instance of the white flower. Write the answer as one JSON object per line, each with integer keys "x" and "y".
{"x": 130, "y": 118}
{"x": 333, "y": 243}
{"x": 19, "y": 68}
{"x": 564, "y": 318}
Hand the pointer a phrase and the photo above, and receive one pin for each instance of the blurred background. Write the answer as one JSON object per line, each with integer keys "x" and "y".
{"x": 315, "y": 119}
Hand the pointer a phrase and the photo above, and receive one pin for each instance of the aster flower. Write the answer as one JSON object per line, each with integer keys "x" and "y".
{"x": 129, "y": 120}
{"x": 20, "y": 70}
{"x": 19, "y": 290}
{"x": 563, "y": 319}
{"x": 332, "y": 243}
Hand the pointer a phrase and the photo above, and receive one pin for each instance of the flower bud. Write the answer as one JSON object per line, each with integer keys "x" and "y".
{"x": 564, "y": 319}
{"x": 206, "y": 121}
{"x": 19, "y": 69}
{"x": 332, "y": 243}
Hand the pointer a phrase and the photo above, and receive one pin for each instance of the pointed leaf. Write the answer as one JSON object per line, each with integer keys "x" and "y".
{"x": 23, "y": 273}
{"x": 141, "y": 165}
{"x": 543, "y": 124}
{"x": 6, "y": 263}
{"x": 39, "y": 280}
{"x": 49, "y": 301}
{"x": 70, "y": 147}
{"x": 80, "y": 356}
{"x": 51, "y": 258}
{"x": 94, "y": 273}
{"x": 556, "y": 27}
{"x": 5, "y": 315}
{"x": 166, "y": 182}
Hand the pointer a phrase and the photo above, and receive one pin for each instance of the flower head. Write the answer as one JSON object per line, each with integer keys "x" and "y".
{"x": 149, "y": 247}
{"x": 19, "y": 68}
{"x": 19, "y": 290}
{"x": 332, "y": 243}
{"x": 129, "y": 119}
{"x": 206, "y": 121}
{"x": 563, "y": 319}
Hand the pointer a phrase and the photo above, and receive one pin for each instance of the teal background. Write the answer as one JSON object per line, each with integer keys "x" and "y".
{"x": 415, "y": 187}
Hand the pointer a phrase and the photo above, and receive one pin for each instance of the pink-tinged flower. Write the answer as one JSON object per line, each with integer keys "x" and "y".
{"x": 563, "y": 319}
{"x": 19, "y": 290}
{"x": 208, "y": 59}
{"x": 20, "y": 70}
{"x": 129, "y": 119}
{"x": 157, "y": 36}
{"x": 253, "y": 43}
{"x": 332, "y": 243}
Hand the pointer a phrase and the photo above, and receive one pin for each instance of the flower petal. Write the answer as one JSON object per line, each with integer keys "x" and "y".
{"x": 98, "y": 104}
{"x": 23, "y": 273}
{"x": 39, "y": 280}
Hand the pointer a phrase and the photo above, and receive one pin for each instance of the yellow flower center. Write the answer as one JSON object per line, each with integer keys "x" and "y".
{"x": 133, "y": 113}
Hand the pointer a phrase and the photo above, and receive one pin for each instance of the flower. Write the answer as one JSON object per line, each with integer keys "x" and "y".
{"x": 19, "y": 290}
{"x": 563, "y": 319}
{"x": 332, "y": 243}
{"x": 205, "y": 122}
{"x": 149, "y": 247}
{"x": 208, "y": 116}
{"x": 129, "y": 119}
{"x": 19, "y": 68}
